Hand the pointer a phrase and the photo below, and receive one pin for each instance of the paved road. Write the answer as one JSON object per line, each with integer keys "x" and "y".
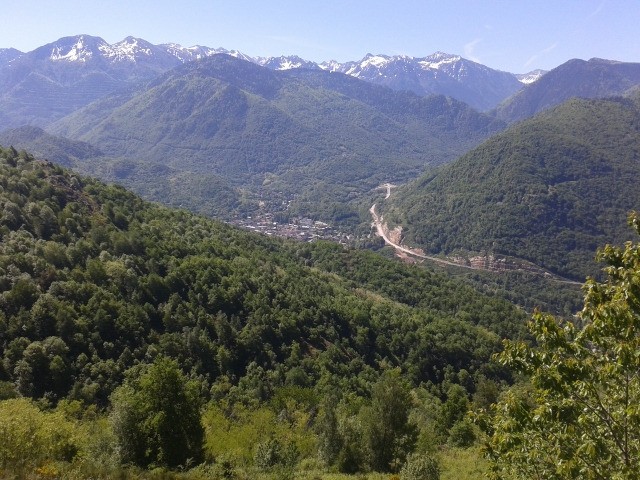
{"x": 377, "y": 221}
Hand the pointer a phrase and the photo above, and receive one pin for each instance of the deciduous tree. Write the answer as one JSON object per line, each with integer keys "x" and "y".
{"x": 580, "y": 415}
{"x": 390, "y": 435}
{"x": 156, "y": 417}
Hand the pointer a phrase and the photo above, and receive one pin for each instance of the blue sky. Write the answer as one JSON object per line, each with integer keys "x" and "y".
{"x": 512, "y": 35}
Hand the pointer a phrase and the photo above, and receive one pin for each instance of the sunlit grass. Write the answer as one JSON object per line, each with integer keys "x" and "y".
{"x": 462, "y": 464}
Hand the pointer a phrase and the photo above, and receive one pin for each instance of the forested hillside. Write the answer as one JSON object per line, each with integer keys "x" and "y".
{"x": 596, "y": 78}
{"x": 102, "y": 293}
{"x": 208, "y": 194}
{"x": 323, "y": 138}
{"x": 61, "y": 151}
{"x": 549, "y": 190}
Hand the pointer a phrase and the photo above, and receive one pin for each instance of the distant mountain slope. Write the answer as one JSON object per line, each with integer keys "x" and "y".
{"x": 53, "y": 80}
{"x": 282, "y": 130}
{"x": 550, "y": 190}
{"x": 207, "y": 193}
{"x": 55, "y": 149}
{"x": 8, "y": 54}
{"x": 442, "y": 74}
{"x": 57, "y": 78}
{"x": 595, "y": 78}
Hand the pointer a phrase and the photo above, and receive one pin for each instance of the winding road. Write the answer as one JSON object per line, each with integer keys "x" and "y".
{"x": 378, "y": 222}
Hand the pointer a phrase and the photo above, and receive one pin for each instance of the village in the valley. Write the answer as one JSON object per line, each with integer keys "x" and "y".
{"x": 303, "y": 229}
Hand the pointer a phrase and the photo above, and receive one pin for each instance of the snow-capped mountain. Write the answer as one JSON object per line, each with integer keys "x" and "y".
{"x": 440, "y": 73}
{"x": 197, "y": 52}
{"x": 533, "y": 76}
{"x": 134, "y": 53}
{"x": 55, "y": 79}
{"x": 285, "y": 63}
{"x": 80, "y": 48}
{"x": 131, "y": 50}
{"x": 137, "y": 51}
{"x": 40, "y": 86}
{"x": 130, "y": 59}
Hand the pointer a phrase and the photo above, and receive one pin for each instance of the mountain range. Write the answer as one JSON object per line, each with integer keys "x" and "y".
{"x": 225, "y": 134}
{"x": 291, "y": 132}
{"x": 477, "y": 85}
{"x": 55, "y": 79}
{"x": 45, "y": 84}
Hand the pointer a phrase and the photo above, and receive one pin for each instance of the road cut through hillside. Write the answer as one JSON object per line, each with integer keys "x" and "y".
{"x": 381, "y": 230}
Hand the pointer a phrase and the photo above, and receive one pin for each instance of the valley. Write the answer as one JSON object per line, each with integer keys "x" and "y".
{"x": 546, "y": 190}
{"x": 217, "y": 265}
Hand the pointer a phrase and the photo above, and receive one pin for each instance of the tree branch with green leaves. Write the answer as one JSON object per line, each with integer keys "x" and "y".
{"x": 578, "y": 414}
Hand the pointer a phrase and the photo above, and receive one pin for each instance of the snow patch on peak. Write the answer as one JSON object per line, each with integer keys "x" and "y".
{"x": 128, "y": 50}
{"x": 438, "y": 60}
{"x": 528, "y": 78}
{"x": 187, "y": 54}
{"x": 80, "y": 51}
{"x": 285, "y": 63}
{"x": 369, "y": 62}
{"x": 440, "y": 56}
{"x": 374, "y": 60}
{"x": 240, "y": 55}
{"x": 198, "y": 52}
{"x": 331, "y": 66}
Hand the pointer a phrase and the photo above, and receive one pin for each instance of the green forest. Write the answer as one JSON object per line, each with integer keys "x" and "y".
{"x": 140, "y": 341}
{"x": 549, "y": 190}
{"x": 280, "y": 353}
{"x": 221, "y": 135}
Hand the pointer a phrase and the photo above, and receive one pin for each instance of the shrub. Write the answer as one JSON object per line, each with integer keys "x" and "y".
{"x": 156, "y": 417}
{"x": 462, "y": 434}
{"x": 30, "y": 437}
{"x": 272, "y": 453}
{"x": 420, "y": 467}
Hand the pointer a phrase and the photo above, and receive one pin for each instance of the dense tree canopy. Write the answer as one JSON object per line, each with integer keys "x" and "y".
{"x": 549, "y": 190}
{"x": 116, "y": 308}
{"x": 390, "y": 435}
{"x": 94, "y": 281}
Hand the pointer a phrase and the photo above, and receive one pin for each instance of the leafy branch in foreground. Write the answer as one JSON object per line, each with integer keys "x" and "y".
{"x": 579, "y": 415}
